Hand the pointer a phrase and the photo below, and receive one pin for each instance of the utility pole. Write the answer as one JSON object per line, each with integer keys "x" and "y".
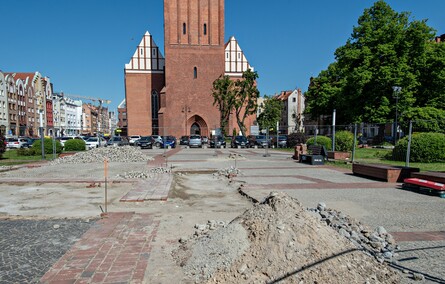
{"x": 396, "y": 94}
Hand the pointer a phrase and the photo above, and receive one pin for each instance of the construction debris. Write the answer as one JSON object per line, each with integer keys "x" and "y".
{"x": 124, "y": 154}
{"x": 277, "y": 240}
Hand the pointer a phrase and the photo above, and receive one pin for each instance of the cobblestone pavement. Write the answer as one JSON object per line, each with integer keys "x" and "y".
{"x": 28, "y": 248}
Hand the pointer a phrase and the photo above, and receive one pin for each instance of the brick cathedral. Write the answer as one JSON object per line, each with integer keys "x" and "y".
{"x": 172, "y": 95}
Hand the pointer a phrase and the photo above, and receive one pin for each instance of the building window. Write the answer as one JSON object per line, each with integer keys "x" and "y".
{"x": 205, "y": 29}
{"x": 184, "y": 28}
{"x": 195, "y": 72}
{"x": 239, "y": 55}
{"x": 294, "y": 100}
{"x": 142, "y": 51}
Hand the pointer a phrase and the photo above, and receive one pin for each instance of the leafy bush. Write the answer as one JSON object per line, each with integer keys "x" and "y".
{"x": 296, "y": 138}
{"x": 343, "y": 141}
{"x": 321, "y": 140}
{"x": 426, "y": 147}
{"x": 27, "y": 152}
{"x": 75, "y": 145}
{"x": 2, "y": 145}
{"x": 48, "y": 146}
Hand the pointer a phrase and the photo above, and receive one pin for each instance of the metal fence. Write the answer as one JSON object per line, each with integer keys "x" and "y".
{"x": 371, "y": 135}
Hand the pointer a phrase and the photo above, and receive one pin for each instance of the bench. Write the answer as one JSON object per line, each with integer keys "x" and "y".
{"x": 431, "y": 176}
{"x": 316, "y": 155}
{"x": 387, "y": 173}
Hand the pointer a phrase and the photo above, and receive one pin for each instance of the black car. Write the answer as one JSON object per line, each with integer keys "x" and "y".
{"x": 259, "y": 141}
{"x": 239, "y": 141}
{"x": 218, "y": 140}
{"x": 184, "y": 140}
{"x": 281, "y": 142}
{"x": 145, "y": 142}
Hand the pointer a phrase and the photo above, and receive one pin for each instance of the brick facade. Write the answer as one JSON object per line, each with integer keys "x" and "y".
{"x": 194, "y": 59}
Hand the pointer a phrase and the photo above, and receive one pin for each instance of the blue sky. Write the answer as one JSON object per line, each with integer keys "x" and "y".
{"x": 82, "y": 45}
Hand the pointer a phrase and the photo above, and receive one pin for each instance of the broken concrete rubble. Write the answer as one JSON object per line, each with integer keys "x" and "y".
{"x": 279, "y": 240}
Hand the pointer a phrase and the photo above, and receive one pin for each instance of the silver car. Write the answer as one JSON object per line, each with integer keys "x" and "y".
{"x": 195, "y": 141}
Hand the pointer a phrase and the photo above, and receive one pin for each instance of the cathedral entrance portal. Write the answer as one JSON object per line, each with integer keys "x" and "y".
{"x": 197, "y": 126}
{"x": 195, "y": 129}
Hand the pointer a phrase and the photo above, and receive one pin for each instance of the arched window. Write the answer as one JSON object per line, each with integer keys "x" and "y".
{"x": 205, "y": 29}
{"x": 184, "y": 28}
{"x": 154, "y": 111}
{"x": 195, "y": 72}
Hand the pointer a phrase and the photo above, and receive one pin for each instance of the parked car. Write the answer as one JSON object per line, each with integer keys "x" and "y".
{"x": 93, "y": 142}
{"x": 205, "y": 139}
{"x": 184, "y": 140}
{"x": 132, "y": 139}
{"x": 219, "y": 141}
{"x": 169, "y": 141}
{"x": 195, "y": 141}
{"x": 158, "y": 140}
{"x": 258, "y": 140}
{"x": 240, "y": 141}
{"x": 29, "y": 141}
{"x": 17, "y": 143}
{"x": 282, "y": 141}
{"x": 146, "y": 142}
{"x": 117, "y": 141}
{"x": 63, "y": 139}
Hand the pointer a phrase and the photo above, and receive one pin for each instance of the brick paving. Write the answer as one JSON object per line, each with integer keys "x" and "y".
{"x": 154, "y": 188}
{"x": 115, "y": 250}
{"x": 157, "y": 186}
{"x": 419, "y": 236}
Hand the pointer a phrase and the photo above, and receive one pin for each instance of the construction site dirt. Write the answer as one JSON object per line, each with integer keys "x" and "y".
{"x": 147, "y": 221}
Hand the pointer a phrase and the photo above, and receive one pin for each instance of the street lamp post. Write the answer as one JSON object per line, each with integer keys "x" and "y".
{"x": 396, "y": 94}
{"x": 185, "y": 110}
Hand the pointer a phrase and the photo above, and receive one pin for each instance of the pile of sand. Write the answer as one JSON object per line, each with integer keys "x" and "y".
{"x": 278, "y": 240}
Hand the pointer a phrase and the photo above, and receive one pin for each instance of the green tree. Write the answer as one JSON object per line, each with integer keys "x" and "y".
{"x": 425, "y": 119}
{"x": 246, "y": 96}
{"x": 224, "y": 97}
{"x": 239, "y": 97}
{"x": 271, "y": 113}
{"x": 385, "y": 50}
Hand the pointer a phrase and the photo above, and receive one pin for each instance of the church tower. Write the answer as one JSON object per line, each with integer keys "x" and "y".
{"x": 194, "y": 58}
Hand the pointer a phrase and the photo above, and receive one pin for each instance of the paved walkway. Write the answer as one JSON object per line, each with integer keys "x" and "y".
{"x": 115, "y": 250}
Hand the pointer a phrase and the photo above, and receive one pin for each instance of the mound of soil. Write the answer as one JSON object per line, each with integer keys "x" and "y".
{"x": 278, "y": 240}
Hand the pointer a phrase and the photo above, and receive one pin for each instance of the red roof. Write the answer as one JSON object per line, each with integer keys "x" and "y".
{"x": 22, "y": 75}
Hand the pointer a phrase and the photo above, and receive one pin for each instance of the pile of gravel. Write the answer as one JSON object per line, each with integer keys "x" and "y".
{"x": 278, "y": 241}
{"x": 144, "y": 174}
{"x": 214, "y": 252}
{"x": 124, "y": 154}
{"x": 377, "y": 242}
{"x": 235, "y": 156}
{"x": 228, "y": 172}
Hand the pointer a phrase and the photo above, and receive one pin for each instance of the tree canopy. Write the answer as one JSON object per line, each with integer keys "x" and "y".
{"x": 385, "y": 49}
{"x": 238, "y": 97}
{"x": 271, "y": 113}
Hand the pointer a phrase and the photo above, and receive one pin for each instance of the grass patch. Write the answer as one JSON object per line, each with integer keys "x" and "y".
{"x": 10, "y": 158}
